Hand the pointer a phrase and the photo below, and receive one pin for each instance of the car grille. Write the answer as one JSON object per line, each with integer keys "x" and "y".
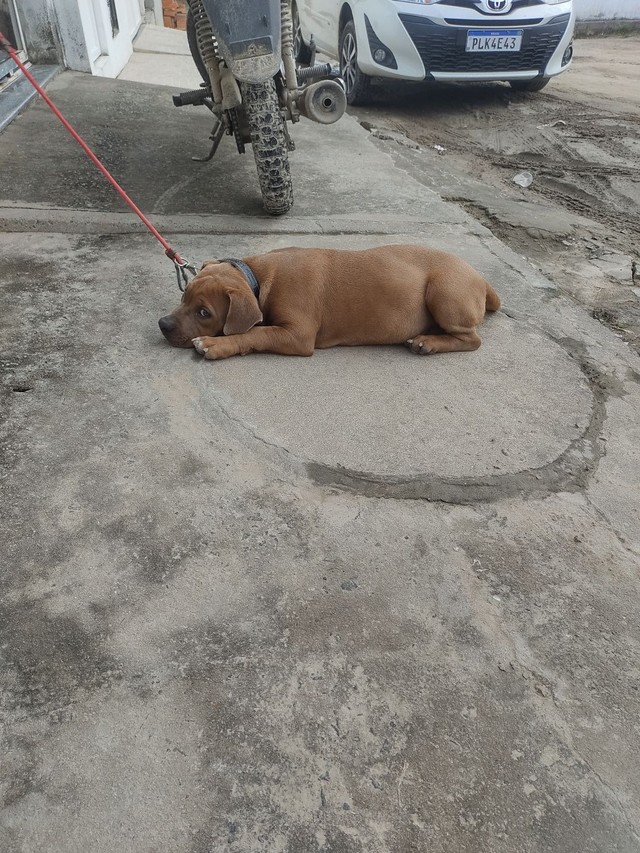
{"x": 510, "y": 22}
{"x": 525, "y": 22}
{"x": 443, "y": 48}
{"x": 473, "y": 4}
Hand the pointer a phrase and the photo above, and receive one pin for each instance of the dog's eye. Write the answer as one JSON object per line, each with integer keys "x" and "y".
{"x": 202, "y": 312}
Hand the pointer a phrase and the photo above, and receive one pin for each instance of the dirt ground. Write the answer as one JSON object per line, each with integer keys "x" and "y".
{"x": 579, "y": 222}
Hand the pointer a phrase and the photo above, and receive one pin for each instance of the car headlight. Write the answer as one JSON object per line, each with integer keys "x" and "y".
{"x": 429, "y": 2}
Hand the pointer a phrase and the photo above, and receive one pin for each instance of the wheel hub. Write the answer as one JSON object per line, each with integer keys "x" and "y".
{"x": 348, "y": 62}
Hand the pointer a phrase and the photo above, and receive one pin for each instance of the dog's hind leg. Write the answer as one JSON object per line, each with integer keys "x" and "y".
{"x": 461, "y": 340}
{"x": 457, "y": 305}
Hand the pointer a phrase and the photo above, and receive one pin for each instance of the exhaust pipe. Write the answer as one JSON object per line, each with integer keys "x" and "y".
{"x": 324, "y": 102}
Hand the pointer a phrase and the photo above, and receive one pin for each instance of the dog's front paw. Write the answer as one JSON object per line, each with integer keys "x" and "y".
{"x": 201, "y": 345}
{"x": 215, "y": 348}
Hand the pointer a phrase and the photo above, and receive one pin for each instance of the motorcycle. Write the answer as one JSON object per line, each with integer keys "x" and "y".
{"x": 244, "y": 50}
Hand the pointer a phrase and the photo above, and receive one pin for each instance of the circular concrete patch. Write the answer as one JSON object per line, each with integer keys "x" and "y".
{"x": 515, "y": 404}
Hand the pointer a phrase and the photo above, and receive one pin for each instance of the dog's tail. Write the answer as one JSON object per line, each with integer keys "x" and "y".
{"x": 492, "y": 299}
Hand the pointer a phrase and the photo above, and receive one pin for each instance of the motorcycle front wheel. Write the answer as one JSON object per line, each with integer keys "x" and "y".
{"x": 266, "y": 127}
{"x": 269, "y": 143}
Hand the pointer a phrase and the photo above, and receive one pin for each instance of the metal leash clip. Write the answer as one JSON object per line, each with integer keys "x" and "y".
{"x": 181, "y": 273}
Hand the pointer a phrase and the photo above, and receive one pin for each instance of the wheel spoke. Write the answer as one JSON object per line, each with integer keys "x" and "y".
{"x": 349, "y": 67}
{"x": 351, "y": 78}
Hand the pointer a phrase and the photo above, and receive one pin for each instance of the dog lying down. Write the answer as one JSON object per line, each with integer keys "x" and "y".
{"x": 292, "y": 301}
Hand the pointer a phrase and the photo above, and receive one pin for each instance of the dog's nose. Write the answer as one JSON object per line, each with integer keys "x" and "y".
{"x": 167, "y": 324}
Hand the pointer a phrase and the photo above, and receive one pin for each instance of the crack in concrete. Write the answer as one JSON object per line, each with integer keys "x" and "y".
{"x": 571, "y": 471}
{"x": 250, "y": 429}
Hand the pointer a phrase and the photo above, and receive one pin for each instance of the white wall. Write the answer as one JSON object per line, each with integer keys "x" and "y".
{"x": 77, "y": 33}
{"x": 153, "y": 8}
{"x": 589, "y": 10}
{"x": 74, "y": 44}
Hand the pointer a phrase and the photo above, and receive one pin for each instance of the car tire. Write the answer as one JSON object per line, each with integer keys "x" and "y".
{"x": 357, "y": 84}
{"x": 535, "y": 85}
{"x": 301, "y": 51}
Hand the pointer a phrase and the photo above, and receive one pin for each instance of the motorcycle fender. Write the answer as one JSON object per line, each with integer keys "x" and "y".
{"x": 248, "y": 34}
{"x": 231, "y": 96}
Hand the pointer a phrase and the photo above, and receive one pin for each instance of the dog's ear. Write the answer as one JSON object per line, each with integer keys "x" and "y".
{"x": 208, "y": 263}
{"x": 244, "y": 312}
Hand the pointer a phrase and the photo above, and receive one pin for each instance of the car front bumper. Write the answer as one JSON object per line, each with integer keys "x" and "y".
{"x": 432, "y": 44}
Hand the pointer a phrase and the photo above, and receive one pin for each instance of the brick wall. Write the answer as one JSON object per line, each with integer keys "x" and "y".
{"x": 174, "y": 13}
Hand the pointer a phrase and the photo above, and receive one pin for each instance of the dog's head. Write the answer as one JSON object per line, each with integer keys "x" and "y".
{"x": 218, "y": 301}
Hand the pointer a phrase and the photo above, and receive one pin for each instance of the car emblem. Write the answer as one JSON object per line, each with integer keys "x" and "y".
{"x": 497, "y": 6}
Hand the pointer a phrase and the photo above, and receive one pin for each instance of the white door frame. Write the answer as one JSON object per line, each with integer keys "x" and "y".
{"x": 109, "y": 52}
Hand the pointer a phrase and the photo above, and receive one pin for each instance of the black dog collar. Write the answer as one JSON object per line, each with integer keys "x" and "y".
{"x": 248, "y": 273}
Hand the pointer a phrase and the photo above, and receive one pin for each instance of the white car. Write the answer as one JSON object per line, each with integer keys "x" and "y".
{"x": 524, "y": 42}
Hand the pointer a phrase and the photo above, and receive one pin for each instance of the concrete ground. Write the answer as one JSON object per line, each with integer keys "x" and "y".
{"x": 162, "y": 56}
{"x": 361, "y": 602}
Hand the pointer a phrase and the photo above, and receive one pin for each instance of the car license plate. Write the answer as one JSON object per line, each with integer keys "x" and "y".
{"x": 492, "y": 41}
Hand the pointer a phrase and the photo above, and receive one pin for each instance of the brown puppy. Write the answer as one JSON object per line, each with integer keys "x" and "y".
{"x": 314, "y": 298}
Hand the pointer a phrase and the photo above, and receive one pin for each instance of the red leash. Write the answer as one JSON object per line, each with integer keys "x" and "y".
{"x": 181, "y": 265}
